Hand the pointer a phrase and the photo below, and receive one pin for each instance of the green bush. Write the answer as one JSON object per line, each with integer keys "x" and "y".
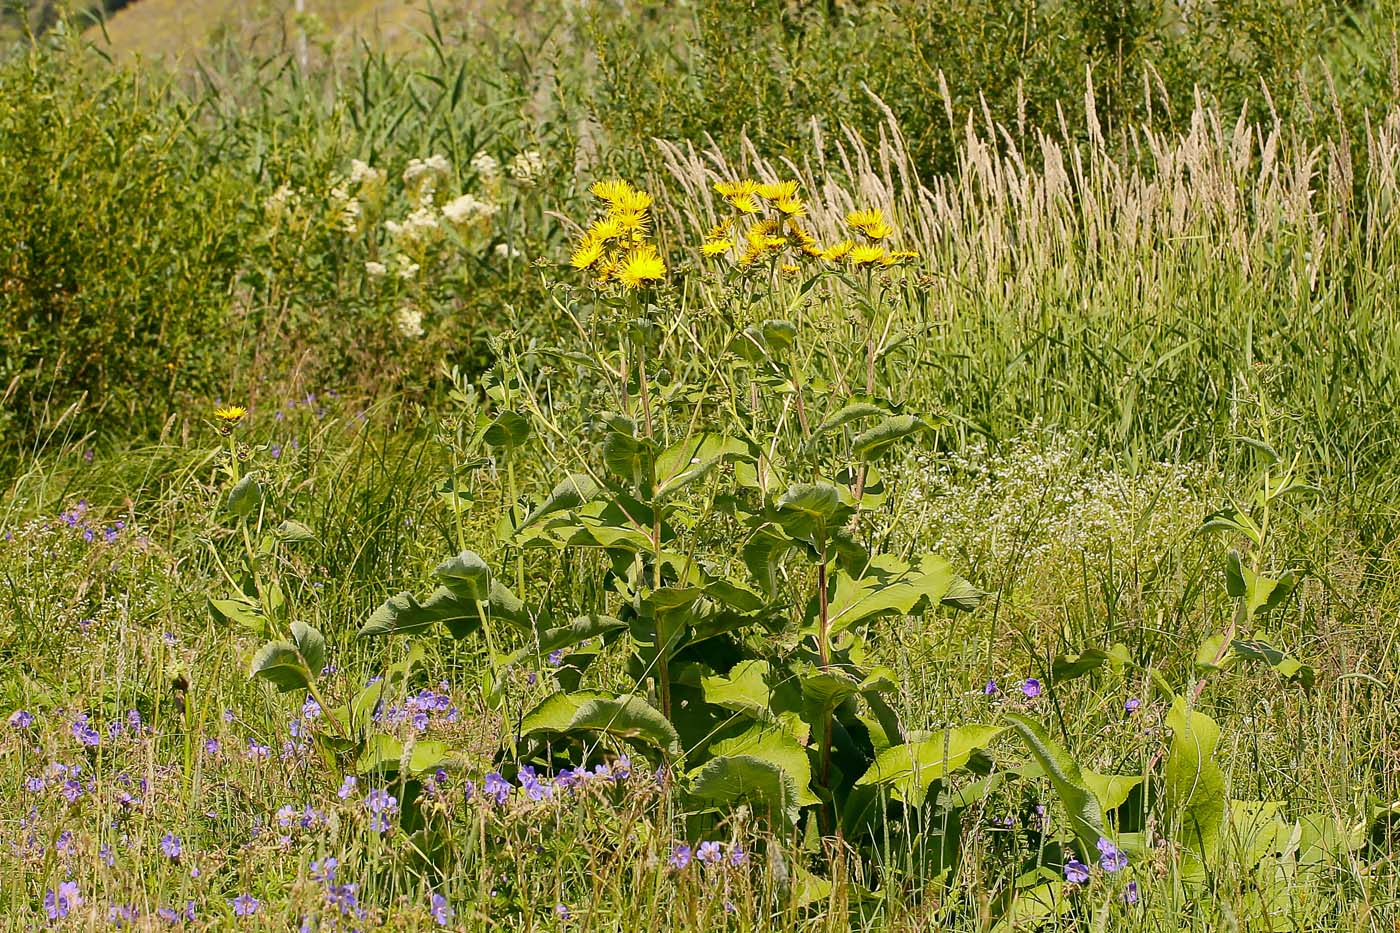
{"x": 119, "y": 245}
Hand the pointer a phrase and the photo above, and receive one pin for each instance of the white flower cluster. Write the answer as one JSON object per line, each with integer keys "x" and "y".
{"x": 1038, "y": 506}
{"x": 418, "y": 230}
{"x": 486, "y": 167}
{"x": 422, "y": 176}
{"x": 527, "y": 167}
{"x": 462, "y": 212}
{"x": 279, "y": 205}
{"x": 409, "y": 321}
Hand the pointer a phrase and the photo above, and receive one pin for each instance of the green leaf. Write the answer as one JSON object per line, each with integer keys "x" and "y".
{"x": 311, "y": 645}
{"x": 682, "y": 464}
{"x": 556, "y": 711}
{"x": 1080, "y": 802}
{"x": 245, "y": 497}
{"x": 879, "y": 440}
{"x": 572, "y": 492}
{"x": 405, "y": 615}
{"x": 294, "y": 532}
{"x": 624, "y": 717}
{"x": 776, "y": 746}
{"x": 508, "y": 430}
{"x": 809, "y": 511}
{"x": 566, "y": 636}
{"x": 240, "y": 610}
{"x": 466, "y": 574}
{"x": 908, "y": 769}
{"x": 763, "y": 554}
{"x": 1287, "y": 667}
{"x": 629, "y": 457}
{"x": 1194, "y": 785}
{"x": 1111, "y": 789}
{"x": 630, "y": 718}
{"x": 853, "y": 411}
{"x": 728, "y": 779}
{"x": 280, "y": 664}
{"x": 765, "y": 339}
{"x": 1067, "y": 667}
{"x": 889, "y": 586}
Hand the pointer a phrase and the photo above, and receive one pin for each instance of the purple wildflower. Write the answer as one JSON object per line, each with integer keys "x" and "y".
{"x": 1130, "y": 893}
{"x": 1111, "y": 858}
{"x": 1031, "y": 688}
{"x": 323, "y": 870}
{"x": 58, "y": 904}
{"x": 245, "y": 905}
{"x": 347, "y": 787}
{"x": 1076, "y": 872}
{"x": 21, "y": 719}
{"x": 709, "y": 852}
{"x": 442, "y": 911}
{"x": 170, "y": 845}
{"x": 556, "y": 657}
{"x": 1132, "y": 705}
{"x": 561, "y": 911}
{"x": 737, "y": 855}
{"x": 496, "y": 786}
{"x": 680, "y": 857}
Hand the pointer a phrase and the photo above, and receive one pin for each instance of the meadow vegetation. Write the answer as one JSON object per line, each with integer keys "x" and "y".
{"x": 751, "y": 466}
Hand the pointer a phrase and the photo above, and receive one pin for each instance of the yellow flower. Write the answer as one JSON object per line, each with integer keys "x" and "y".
{"x": 606, "y": 228}
{"x": 712, "y": 249}
{"x": 612, "y": 191}
{"x": 800, "y": 234}
{"x": 903, "y": 255}
{"x": 721, "y": 229}
{"x": 777, "y": 191}
{"x": 837, "y": 251}
{"x": 735, "y": 189}
{"x": 633, "y": 201}
{"x": 230, "y": 415}
{"x": 744, "y": 203}
{"x": 632, "y": 222}
{"x": 751, "y": 255}
{"x": 865, "y": 255}
{"x": 859, "y": 219}
{"x": 789, "y": 268}
{"x": 812, "y": 250}
{"x": 872, "y": 223}
{"x": 587, "y": 253}
{"x": 640, "y": 266}
{"x": 792, "y": 206}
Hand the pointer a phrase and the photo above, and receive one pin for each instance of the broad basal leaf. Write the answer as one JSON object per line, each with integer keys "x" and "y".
{"x": 762, "y": 783}
{"x": 908, "y": 769}
{"x": 1080, "y": 802}
{"x": 1194, "y": 784}
{"x": 280, "y": 664}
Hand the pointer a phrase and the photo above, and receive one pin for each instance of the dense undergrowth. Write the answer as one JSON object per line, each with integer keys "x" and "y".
{"x": 409, "y": 522}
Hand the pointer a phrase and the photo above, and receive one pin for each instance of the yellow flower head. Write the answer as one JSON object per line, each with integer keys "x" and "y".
{"x": 230, "y": 415}
{"x": 903, "y": 255}
{"x": 633, "y": 201}
{"x": 744, "y": 203}
{"x": 640, "y": 266}
{"x": 867, "y": 254}
{"x": 789, "y": 268}
{"x": 872, "y": 223}
{"x": 777, "y": 191}
{"x": 800, "y": 234}
{"x": 721, "y": 229}
{"x": 633, "y": 223}
{"x": 812, "y": 250}
{"x": 791, "y": 206}
{"x": 752, "y": 254}
{"x": 606, "y": 228}
{"x": 713, "y": 249}
{"x": 837, "y": 251}
{"x": 587, "y": 253}
{"x": 735, "y": 189}
{"x": 612, "y": 191}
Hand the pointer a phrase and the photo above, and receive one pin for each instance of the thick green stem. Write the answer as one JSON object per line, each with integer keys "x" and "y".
{"x": 824, "y": 655}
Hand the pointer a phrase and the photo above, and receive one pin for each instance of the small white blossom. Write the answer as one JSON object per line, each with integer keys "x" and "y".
{"x": 485, "y": 166}
{"x": 463, "y": 210}
{"x": 409, "y": 321}
{"x": 375, "y": 269}
{"x": 527, "y": 167}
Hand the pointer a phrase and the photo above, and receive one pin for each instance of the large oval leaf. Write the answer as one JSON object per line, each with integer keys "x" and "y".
{"x": 910, "y": 768}
{"x": 732, "y": 778}
{"x": 280, "y": 664}
{"x": 1081, "y": 804}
